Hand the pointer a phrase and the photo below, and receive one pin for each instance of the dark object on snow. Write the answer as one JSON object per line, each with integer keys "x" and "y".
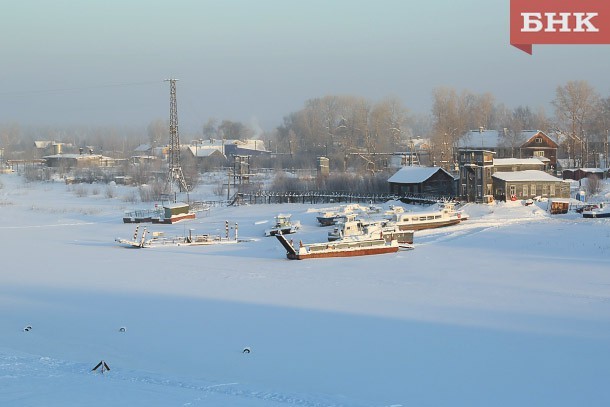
{"x": 246, "y": 350}
{"x": 103, "y": 365}
{"x": 27, "y": 328}
{"x": 122, "y": 329}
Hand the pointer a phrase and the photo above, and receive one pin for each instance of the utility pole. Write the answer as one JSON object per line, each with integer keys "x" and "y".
{"x": 606, "y": 150}
{"x": 175, "y": 170}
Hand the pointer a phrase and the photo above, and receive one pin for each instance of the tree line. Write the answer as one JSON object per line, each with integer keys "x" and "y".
{"x": 353, "y": 131}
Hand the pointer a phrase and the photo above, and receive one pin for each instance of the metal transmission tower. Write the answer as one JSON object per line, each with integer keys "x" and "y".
{"x": 175, "y": 170}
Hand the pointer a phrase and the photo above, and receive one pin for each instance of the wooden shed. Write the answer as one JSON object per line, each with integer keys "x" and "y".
{"x": 417, "y": 180}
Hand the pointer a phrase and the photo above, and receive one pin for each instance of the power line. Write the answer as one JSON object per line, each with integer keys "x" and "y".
{"x": 76, "y": 89}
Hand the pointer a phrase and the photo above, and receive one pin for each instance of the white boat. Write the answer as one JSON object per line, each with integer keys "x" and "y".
{"x": 284, "y": 225}
{"x": 355, "y": 228}
{"x": 446, "y": 215}
{"x": 331, "y": 217}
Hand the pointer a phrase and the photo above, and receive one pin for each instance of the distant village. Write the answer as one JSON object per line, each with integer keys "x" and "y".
{"x": 339, "y": 145}
{"x": 483, "y": 168}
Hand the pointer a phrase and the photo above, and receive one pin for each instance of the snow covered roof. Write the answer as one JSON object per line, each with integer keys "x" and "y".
{"x": 42, "y": 144}
{"x": 142, "y": 148}
{"x": 250, "y": 144}
{"x": 518, "y": 161}
{"x": 528, "y": 175}
{"x": 78, "y": 156}
{"x": 591, "y": 169}
{"x": 480, "y": 139}
{"x": 495, "y": 139}
{"x": 415, "y": 174}
{"x": 205, "y": 151}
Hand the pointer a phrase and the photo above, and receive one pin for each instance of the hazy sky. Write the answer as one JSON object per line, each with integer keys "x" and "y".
{"x": 104, "y": 62}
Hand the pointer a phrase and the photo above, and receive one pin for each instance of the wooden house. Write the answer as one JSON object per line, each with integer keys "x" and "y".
{"x": 528, "y": 184}
{"x": 415, "y": 180}
{"x": 476, "y": 168}
{"x": 539, "y": 145}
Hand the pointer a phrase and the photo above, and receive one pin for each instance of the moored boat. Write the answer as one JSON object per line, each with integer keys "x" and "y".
{"x": 168, "y": 214}
{"x": 356, "y": 247}
{"x": 445, "y": 216}
{"x": 283, "y": 225}
{"x": 356, "y": 228}
{"x": 158, "y": 239}
{"x": 332, "y": 217}
{"x": 600, "y": 211}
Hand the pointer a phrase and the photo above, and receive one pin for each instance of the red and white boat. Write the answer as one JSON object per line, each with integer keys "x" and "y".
{"x": 347, "y": 248}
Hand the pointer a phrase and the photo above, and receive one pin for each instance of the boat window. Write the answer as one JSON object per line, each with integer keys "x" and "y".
{"x": 422, "y": 218}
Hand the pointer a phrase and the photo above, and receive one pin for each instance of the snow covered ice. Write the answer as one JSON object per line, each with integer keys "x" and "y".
{"x": 509, "y": 308}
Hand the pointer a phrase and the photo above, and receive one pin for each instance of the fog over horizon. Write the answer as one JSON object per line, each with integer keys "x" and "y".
{"x": 104, "y": 63}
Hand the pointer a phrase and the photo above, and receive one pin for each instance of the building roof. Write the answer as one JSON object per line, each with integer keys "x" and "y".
{"x": 142, "y": 148}
{"x": 493, "y": 139}
{"x": 42, "y": 143}
{"x": 593, "y": 170}
{"x": 77, "y": 156}
{"x": 518, "y": 161}
{"x": 527, "y": 135}
{"x": 528, "y": 175}
{"x": 415, "y": 174}
{"x": 250, "y": 144}
{"x": 206, "y": 151}
{"x": 480, "y": 139}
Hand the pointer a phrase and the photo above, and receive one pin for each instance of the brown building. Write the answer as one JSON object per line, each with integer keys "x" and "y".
{"x": 416, "y": 180}
{"x": 528, "y": 184}
{"x": 539, "y": 145}
{"x": 476, "y": 167}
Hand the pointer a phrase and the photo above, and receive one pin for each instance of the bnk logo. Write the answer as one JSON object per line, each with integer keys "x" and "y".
{"x": 559, "y": 22}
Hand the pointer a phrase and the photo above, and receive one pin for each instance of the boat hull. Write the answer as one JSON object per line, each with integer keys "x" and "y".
{"x": 591, "y": 215}
{"x": 343, "y": 253}
{"x": 326, "y": 221}
{"x": 427, "y": 225}
{"x": 401, "y": 236}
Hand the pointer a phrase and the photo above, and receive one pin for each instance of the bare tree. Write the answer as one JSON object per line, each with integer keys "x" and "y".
{"x": 210, "y": 129}
{"x": 574, "y": 104}
{"x": 158, "y": 133}
{"x": 593, "y": 185}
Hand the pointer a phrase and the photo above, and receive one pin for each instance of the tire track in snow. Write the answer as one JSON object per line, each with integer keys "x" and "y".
{"x": 23, "y": 366}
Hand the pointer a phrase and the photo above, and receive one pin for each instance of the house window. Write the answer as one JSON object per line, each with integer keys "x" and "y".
{"x": 480, "y": 191}
{"x": 489, "y": 189}
{"x": 533, "y": 189}
{"x": 538, "y": 153}
{"x": 545, "y": 189}
{"x": 538, "y": 140}
{"x": 525, "y": 193}
{"x": 513, "y": 190}
{"x": 552, "y": 186}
